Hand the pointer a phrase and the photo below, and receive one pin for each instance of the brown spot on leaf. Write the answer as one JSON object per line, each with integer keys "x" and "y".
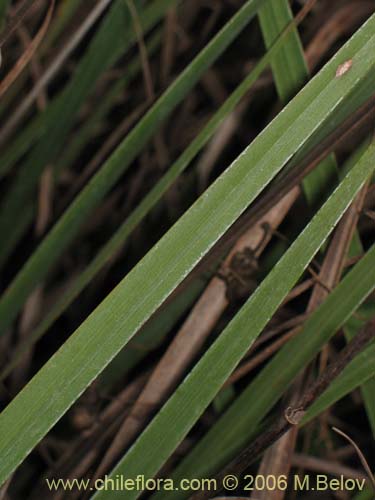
{"x": 344, "y": 68}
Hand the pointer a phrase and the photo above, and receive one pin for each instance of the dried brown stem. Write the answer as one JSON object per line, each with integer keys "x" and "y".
{"x": 328, "y": 278}
{"x": 53, "y": 68}
{"x": 28, "y": 54}
{"x": 360, "y": 455}
{"x": 329, "y": 467}
{"x": 16, "y": 20}
{"x": 292, "y": 416}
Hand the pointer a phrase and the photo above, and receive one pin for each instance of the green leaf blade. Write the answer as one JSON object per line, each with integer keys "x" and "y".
{"x": 192, "y": 397}
{"x": 67, "y": 227}
{"x": 47, "y": 397}
{"x": 240, "y": 422}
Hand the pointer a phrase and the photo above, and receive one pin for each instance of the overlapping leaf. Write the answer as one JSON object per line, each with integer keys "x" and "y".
{"x": 52, "y": 391}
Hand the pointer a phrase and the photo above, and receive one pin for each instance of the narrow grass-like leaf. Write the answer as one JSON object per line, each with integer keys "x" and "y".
{"x": 75, "y": 146}
{"x": 152, "y": 334}
{"x": 288, "y": 66}
{"x": 185, "y": 406}
{"x": 290, "y": 73}
{"x": 66, "y": 228}
{"x": 112, "y": 39}
{"x": 97, "y": 59}
{"x": 37, "y": 126}
{"x": 148, "y": 202}
{"x": 64, "y": 377}
{"x": 353, "y": 326}
{"x": 239, "y": 424}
